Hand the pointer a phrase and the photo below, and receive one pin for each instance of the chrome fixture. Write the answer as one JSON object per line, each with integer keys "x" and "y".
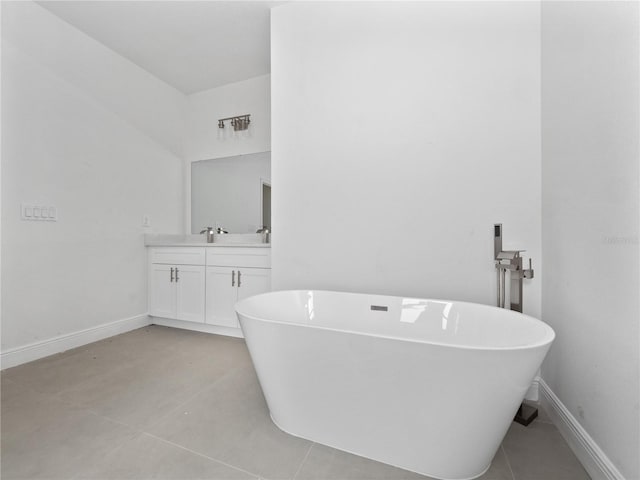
{"x": 512, "y": 261}
{"x": 209, "y": 233}
{"x": 266, "y": 234}
{"x": 241, "y": 122}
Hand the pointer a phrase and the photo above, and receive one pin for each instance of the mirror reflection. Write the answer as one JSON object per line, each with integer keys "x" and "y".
{"x": 233, "y": 193}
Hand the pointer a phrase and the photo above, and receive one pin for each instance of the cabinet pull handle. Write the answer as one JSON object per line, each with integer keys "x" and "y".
{"x": 177, "y": 275}
{"x": 239, "y": 273}
{"x": 233, "y": 278}
{"x": 171, "y": 274}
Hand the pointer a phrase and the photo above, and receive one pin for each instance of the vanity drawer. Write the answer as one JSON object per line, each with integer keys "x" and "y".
{"x": 239, "y": 257}
{"x": 178, "y": 255}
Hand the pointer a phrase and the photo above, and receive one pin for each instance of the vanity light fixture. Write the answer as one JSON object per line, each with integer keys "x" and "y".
{"x": 241, "y": 122}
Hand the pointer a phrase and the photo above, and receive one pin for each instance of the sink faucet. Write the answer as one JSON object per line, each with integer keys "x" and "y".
{"x": 266, "y": 234}
{"x": 209, "y": 233}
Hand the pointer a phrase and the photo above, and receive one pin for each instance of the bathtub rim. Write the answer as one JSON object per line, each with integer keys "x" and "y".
{"x": 546, "y": 342}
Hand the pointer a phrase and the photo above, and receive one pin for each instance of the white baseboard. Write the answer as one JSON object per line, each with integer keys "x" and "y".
{"x": 593, "y": 459}
{"x": 44, "y": 348}
{"x": 197, "y": 327}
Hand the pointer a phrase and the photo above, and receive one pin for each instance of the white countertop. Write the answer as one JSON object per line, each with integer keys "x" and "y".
{"x": 229, "y": 240}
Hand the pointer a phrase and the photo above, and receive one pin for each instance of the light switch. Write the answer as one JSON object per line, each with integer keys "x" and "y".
{"x": 38, "y": 212}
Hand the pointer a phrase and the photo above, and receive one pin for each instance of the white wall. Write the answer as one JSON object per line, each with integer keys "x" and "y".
{"x": 93, "y": 149}
{"x": 228, "y": 192}
{"x": 1, "y": 194}
{"x": 590, "y": 120}
{"x": 204, "y": 140}
{"x": 139, "y": 98}
{"x": 401, "y": 133}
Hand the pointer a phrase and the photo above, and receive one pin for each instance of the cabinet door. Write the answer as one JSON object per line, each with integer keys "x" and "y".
{"x": 252, "y": 281}
{"x": 190, "y": 293}
{"x": 221, "y": 296}
{"x": 162, "y": 296}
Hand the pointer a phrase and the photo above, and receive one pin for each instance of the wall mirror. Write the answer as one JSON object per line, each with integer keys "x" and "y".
{"x": 232, "y": 192}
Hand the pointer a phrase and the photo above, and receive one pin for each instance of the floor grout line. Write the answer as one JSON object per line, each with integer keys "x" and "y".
{"x": 58, "y": 396}
{"x": 182, "y": 447}
{"x": 73, "y": 403}
{"x": 117, "y": 445}
{"x": 506, "y": 458}
{"x": 188, "y": 399}
{"x": 303, "y": 461}
{"x": 139, "y": 431}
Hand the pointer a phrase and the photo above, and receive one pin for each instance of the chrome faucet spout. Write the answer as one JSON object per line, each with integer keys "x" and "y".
{"x": 209, "y": 233}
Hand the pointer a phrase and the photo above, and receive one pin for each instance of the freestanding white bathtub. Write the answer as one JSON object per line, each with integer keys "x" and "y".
{"x": 426, "y": 385}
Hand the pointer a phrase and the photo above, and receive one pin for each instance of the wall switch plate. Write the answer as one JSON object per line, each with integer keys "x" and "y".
{"x": 38, "y": 212}
{"x": 146, "y": 221}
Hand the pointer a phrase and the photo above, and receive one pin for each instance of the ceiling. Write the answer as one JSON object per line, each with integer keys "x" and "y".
{"x": 191, "y": 45}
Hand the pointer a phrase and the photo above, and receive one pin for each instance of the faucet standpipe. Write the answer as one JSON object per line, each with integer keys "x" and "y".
{"x": 512, "y": 261}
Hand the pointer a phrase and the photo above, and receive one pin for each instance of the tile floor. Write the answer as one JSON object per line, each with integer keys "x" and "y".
{"x": 173, "y": 404}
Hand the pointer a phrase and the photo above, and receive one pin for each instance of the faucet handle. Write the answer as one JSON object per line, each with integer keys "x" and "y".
{"x": 528, "y": 272}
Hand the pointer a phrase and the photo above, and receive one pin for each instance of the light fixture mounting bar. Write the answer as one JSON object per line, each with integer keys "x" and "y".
{"x": 239, "y": 122}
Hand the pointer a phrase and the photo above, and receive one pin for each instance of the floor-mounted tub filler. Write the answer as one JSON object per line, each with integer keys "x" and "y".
{"x": 430, "y": 386}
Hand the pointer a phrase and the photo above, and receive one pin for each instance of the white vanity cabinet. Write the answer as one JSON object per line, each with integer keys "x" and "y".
{"x": 201, "y": 285}
{"x": 177, "y": 283}
{"x": 233, "y": 274}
